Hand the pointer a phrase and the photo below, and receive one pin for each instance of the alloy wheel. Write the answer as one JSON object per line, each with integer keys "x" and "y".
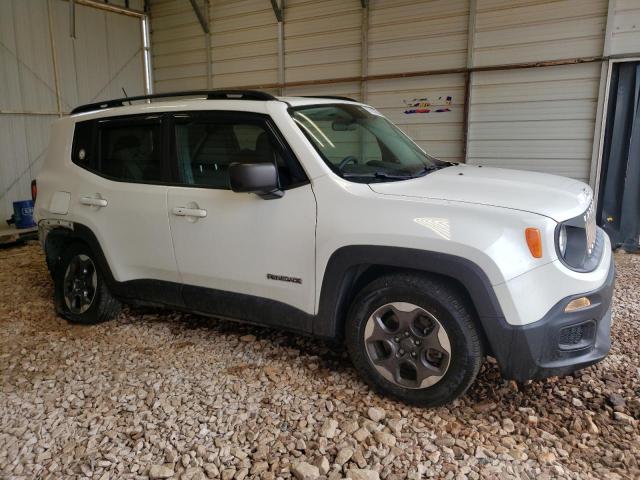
{"x": 80, "y": 284}
{"x": 407, "y": 345}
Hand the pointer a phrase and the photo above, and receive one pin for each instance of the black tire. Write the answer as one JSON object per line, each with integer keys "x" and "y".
{"x": 103, "y": 306}
{"x": 448, "y": 305}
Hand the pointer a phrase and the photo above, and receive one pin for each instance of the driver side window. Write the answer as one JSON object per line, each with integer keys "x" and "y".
{"x": 206, "y": 144}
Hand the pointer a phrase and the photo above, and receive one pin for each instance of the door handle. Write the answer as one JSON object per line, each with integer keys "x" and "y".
{"x": 94, "y": 202}
{"x": 189, "y": 212}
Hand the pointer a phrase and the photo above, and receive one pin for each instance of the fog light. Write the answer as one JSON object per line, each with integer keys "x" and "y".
{"x": 577, "y": 304}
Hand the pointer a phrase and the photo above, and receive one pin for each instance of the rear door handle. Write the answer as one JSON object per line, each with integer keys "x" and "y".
{"x": 189, "y": 212}
{"x": 93, "y": 201}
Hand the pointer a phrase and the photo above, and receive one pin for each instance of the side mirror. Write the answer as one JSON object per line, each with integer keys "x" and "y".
{"x": 258, "y": 178}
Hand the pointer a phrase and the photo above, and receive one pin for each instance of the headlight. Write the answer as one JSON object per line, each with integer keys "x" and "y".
{"x": 579, "y": 243}
{"x": 562, "y": 240}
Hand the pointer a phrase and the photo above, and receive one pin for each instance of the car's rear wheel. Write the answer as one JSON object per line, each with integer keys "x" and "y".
{"x": 81, "y": 294}
{"x": 413, "y": 337}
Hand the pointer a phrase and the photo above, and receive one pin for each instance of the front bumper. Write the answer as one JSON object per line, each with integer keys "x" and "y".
{"x": 559, "y": 343}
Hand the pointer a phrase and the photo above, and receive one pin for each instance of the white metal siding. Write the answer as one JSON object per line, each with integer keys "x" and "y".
{"x": 517, "y": 31}
{"x": 625, "y": 28}
{"x": 244, "y": 43}
{"x": 350, "y": 90}
{"x": 411, "y": 36}
{"x": 535, "y": 119}
{"x": 439, "y": 133}
{"x": 105, "y": 57}
{"x": 178, "y": 47}
{"x": 322, "y": 39}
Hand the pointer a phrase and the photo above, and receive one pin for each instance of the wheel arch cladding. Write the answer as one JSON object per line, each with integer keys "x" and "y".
{"x": 352, "y": 267}
{"x": 59, "y": 238}
{"x": 55, "y": 243}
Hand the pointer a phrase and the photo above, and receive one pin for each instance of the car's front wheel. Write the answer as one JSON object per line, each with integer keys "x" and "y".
{"x": 81, "y": 294}
{"x": 413, "y": 337}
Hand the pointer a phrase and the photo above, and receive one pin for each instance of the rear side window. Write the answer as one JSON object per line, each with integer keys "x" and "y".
{"x": 131, "y": 152}
{"x": 127, "y": 149}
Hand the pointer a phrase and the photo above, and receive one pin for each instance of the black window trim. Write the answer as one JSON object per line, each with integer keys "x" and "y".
{"x": 168, "y": 145}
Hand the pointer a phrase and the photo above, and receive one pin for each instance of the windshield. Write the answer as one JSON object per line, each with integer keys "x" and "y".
{"x": 361, "y": 145}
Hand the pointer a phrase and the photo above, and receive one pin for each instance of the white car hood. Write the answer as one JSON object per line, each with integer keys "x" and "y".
{"x": 556, "y": 197}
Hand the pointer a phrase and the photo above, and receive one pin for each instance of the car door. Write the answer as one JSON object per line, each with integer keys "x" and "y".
{"x": 238, "y": 254}
{"x": 121, "y": 196}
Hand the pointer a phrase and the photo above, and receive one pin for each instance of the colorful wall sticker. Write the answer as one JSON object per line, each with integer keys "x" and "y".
{"x": 424, "y": 105}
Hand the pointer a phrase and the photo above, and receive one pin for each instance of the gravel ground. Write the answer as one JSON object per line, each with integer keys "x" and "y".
{"x": 164, "y": 394}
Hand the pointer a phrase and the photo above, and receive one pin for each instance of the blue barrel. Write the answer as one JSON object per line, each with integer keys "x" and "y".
{"x": 23, "y": 214}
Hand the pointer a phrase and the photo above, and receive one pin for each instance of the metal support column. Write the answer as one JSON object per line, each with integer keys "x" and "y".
{"x": 146, "y": 56}
{"x": 278, "y": 10}
{"x": 468, "y": 76}
{"x": 203, "y": 18}
{"x": 364, "y": 50}
{"x": 601, "y": 108}
{"x": 54, "y": 59}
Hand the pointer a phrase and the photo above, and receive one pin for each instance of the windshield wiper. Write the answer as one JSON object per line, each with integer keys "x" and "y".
{"x": 425, "y": 170}
{"x": 379, "y": 174}
{"x": 391, "y": 175}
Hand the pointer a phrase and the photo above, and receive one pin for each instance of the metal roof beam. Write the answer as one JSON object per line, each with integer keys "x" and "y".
{"x": 278, "y": 10}
{"x": 72, "y": 18}
{"x": 204, "y": 22}
{"x": 109, "y": 7}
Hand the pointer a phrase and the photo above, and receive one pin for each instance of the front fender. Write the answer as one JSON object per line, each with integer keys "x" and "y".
{"x": 347, "y": 263}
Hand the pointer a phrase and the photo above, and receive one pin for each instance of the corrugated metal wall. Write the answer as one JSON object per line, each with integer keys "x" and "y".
{"x": 322, "y": 39}
{"x": 243, "y": 43}
{"x": 410, "y": 36}
{"x": 414, "y": 36}
{"x": 539, "y": 119}
{"x": 441, "y": 133}
{"x": 417, "y": 54}
{"x": 105, "y": 56}
{"x": 542, "y": 118}
{"x": 179, "y": 54}
{"x": 624, "y": 27}
{"x": 517, "y": 31}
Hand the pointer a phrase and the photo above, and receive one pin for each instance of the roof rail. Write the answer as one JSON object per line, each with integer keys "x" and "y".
{"x": 330, "y": 97}
{"x": 209, "y": 94}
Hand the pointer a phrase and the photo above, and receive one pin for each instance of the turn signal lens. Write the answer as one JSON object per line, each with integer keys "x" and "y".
{"x": 577, "y": 304}
{"x": 534, "y": 241}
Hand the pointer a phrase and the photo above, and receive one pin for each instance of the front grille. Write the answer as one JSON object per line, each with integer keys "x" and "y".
{"x": 590, "y": 227}
{"x": 577, "y": 336}
{"x": 571, "y": 335}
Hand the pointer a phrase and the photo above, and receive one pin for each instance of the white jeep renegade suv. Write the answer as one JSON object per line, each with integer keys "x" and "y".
{"x": 320, "y": 216}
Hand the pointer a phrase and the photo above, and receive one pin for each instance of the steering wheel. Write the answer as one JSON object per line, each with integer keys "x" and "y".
{"x": 346, "y": 160}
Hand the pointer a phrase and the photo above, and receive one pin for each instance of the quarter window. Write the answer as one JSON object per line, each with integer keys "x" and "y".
{"x": 83, "y": 142}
